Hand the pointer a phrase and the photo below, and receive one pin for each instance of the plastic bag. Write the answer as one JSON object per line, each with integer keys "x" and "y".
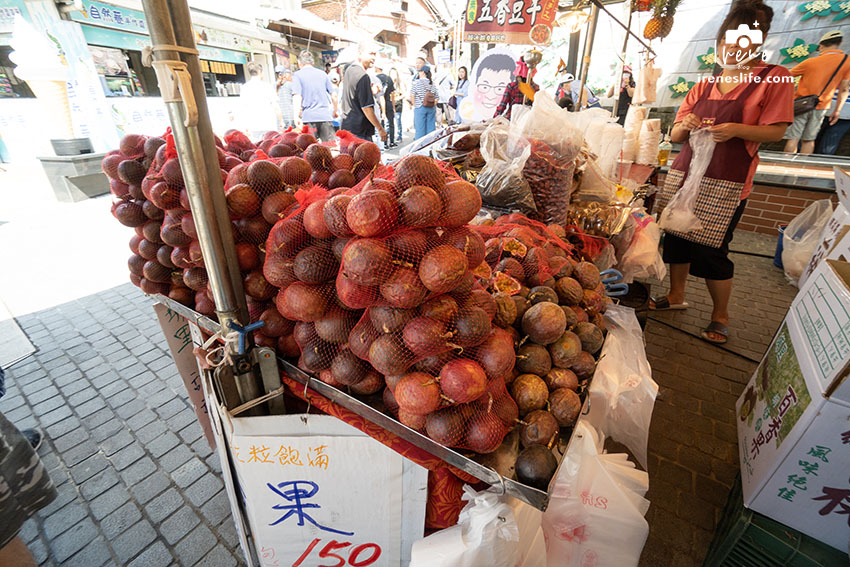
{"x": 595, "y": 185}
{"x": 501, "y": 183}
{"x": 645, "y": 86}
{"x": 595, "y": 515}
{"x": 642, "y": 258}
{"x": 549, "y": 123}
{"x": 610, "y": 148}
{"x": 679, "y": 214}
{"x": 486, "y": 534}
{"x": 622, "y": 393}
{"x": 802, "y": 236}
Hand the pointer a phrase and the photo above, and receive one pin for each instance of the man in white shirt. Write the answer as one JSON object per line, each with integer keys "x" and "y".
{"x": 260, "y": 109}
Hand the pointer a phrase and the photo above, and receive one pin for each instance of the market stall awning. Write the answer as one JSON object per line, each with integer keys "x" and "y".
{"x": 307, "y": 25}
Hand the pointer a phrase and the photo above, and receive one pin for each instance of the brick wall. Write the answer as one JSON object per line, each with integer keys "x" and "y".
{"x": 770, "y": 207}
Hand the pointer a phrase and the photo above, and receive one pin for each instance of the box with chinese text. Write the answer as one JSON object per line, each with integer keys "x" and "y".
{"x": 832, "y": 235}
{"x": 794, "y": 415}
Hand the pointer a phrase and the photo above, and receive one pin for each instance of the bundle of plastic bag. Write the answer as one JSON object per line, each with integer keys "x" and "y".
{"x": 493, "y": 530}
{"x": 642, "y": 258}
{"x": 634, "y": 118}
{"x": 678, "y": 215}
{"x": 595, "y": 185}
{"x": 596, "y": 513}
{"x": 648, "y": 140}
{"x": 801, "y": 237}
{"x": 622, "y": 393}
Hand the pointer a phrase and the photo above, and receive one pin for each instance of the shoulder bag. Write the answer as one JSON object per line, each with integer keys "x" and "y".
{"x": 810, "y": 102}
{"x": 429, "y": 99}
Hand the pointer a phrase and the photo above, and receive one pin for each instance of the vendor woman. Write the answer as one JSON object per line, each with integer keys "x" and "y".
{"x": 749, "y": 102}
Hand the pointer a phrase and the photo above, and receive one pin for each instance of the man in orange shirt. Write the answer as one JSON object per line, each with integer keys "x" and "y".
{"x": 815, "y": 79}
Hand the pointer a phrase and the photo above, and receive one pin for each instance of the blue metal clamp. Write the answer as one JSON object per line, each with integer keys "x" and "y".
{"x": 242, "y": 331}
{"x": 610, "y": 279}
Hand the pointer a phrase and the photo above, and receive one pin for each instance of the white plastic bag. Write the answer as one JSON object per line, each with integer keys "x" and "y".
{"x": 595, "y": 185}
{"x": 622, "y": 392}
{"x": 486, "y": 534}
{"x": 646, "y": 85}
{"x": 595, "y": 515}
{"x": 679, "y": 215}
{"x": 801, "y": 237}
{"x": 610, "y": 148}
{"x": 642, "y": 258}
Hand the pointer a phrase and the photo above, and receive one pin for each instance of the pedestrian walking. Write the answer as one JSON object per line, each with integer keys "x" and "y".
{"x": 398, "y": 103}
{"x": 260, "y": 109}
{"x": 314, "y": 99}
{"x": 387, "y": 104}
{"x": 748, "y": 103}
{"x": 358, "y": 102}
{"x": 284, "y": 96}
{"x": 423, "y": 99}
{"x": 819, "y": 77}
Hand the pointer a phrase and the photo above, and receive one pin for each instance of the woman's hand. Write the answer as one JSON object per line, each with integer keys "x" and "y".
{"x": 690, "y": 122}
{"x": 724, "y": 132}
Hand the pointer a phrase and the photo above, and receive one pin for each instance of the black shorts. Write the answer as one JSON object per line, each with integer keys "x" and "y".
{"x": 706, "y": 262}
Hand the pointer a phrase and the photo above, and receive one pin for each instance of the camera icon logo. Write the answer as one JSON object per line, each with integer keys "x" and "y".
{"x": 744, "y": 37}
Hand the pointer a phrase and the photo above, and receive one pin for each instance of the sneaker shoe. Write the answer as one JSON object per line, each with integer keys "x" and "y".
{"x": 34, "y": 436}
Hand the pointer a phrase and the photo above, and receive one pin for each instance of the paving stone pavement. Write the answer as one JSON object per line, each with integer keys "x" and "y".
{"x": 138, "y": 485}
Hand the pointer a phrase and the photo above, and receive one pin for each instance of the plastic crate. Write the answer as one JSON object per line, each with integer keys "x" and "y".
{"x": 747, "y": 539}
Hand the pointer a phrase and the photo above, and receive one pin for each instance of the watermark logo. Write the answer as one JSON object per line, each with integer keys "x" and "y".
{"x": 740, "y": 46}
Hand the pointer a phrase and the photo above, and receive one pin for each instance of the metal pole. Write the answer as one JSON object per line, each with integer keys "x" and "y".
{"x": 588, "y": 47}
{"x": 619, "y": 83}
{"x": 203, "y": 188}
{"x": 185, "y": 36}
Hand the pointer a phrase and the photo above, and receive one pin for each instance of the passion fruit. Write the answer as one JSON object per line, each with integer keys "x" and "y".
{"x": 533, "y": 359}
{"x": 565, "y": 406}
{"x": 539, "y": 428}
{"x": 443, "y": 268}
{"x": 530, "y": 393}
{"x": 544, "y": 323}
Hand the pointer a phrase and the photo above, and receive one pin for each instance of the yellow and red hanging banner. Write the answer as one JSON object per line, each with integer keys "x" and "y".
{"x": 510, "y": 21}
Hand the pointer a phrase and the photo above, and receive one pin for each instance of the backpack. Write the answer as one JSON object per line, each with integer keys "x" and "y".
{"x": 429, "y": 99}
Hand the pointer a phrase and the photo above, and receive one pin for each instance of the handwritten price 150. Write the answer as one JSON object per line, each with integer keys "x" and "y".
{"x": 371, "y": 551}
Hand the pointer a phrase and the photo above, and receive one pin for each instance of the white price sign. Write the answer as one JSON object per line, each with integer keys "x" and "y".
{"x": 320, "y": 493}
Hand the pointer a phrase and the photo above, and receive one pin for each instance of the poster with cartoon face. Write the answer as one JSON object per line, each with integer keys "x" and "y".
{"x": 491, "y": 74}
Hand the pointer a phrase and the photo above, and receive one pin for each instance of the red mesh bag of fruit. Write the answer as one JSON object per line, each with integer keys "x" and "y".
{"x": 380, "y": 281}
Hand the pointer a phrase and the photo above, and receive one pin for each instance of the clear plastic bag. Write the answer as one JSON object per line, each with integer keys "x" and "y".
{"x": 622, "y": 393}
{"x": 642, "y": 258}
{"x": 501, "y": 182}
{"x": 801, "y": 237}
{"x": 678, "y": 215}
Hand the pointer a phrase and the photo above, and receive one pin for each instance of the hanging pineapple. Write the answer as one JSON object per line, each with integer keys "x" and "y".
{"x": 661, "y": 22}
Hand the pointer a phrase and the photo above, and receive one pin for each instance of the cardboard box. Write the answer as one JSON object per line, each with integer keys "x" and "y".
{"x": 794, "y": 415}
{"x": 832, "y": 234}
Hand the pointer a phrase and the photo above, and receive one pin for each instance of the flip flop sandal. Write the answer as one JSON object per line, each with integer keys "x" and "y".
{"x": 663, "y": 304}
{"x": 717, "y": 328}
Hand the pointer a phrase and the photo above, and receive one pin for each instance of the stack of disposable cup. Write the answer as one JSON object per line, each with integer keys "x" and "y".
{"x": 39, "y": 63}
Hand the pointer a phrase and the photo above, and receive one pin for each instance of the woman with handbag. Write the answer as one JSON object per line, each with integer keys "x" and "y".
{"x": 423, "y": 99}
{"x": 749, "y": 102}
{"x": 461, "y": 92}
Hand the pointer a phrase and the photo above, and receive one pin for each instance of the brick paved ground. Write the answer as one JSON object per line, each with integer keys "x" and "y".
{"x": 693, "y": 450}
{"x": 139, "y": 486}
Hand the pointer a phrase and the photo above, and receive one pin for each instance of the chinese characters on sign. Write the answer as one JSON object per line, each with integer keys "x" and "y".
{"x": 507, "y": 21}
{"x": 111, "y": 16}
{"x": 284, "y": 455}
{"x": 773, "y": 425}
